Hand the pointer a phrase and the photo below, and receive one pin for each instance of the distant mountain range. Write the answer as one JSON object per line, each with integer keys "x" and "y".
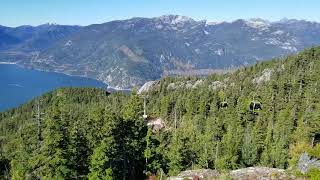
{"x": 130, "y": 52}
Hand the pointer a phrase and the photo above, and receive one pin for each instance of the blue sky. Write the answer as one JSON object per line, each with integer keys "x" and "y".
{"x": 84, "y": 12}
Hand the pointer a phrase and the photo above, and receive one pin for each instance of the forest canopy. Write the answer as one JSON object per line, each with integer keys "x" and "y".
{"x": 264, "y": 115}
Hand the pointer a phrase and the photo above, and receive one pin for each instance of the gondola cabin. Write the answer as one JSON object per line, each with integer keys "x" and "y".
{"x": 315, "y": 139}
{"x": 224, "y": 104}
{"x": 255, "y": 105}
{"x": 107, "y": 91}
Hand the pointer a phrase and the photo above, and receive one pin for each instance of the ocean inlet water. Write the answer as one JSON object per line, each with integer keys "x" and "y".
{"x": 19, "y": 85}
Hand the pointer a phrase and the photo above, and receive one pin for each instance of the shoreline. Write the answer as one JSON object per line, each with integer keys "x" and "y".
{"x": 43, "y": 70}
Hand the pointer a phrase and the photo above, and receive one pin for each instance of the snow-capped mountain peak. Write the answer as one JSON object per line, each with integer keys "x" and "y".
{"x": 257, "y": 23}
{"x": 212, "y": 23}
{"x": 152, "y": 47}
{"x": 175, "y": 19}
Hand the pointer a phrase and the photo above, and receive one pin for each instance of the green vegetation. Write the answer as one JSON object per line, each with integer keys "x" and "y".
{"x": 86, "y": 134}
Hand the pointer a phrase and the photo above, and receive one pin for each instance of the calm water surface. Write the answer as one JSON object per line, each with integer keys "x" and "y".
{"x": 19, "y": 85}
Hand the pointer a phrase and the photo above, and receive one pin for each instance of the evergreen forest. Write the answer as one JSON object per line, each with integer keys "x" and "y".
{"x": 267, "y": 114}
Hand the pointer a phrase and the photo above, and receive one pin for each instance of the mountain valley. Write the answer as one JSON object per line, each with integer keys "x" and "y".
{"x": 128, "y": 53}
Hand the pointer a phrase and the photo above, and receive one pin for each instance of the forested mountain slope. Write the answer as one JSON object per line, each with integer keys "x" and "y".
{"x": 127, "y": 53}
{"x": 26, "y": 42}
{"x": 85, "y": 133}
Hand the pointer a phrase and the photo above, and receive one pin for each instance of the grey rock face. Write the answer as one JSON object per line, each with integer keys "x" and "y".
{"x": 261, "y": 173}
{"x": 306, "y": 162}
{"x": 201, "y": 173}
{"x": 146, "y": 87}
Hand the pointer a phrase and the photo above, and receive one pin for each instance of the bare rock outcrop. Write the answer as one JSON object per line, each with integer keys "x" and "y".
{"x": 265, "y": 77}
{"x": 157, "y": 124}
{"x": 216, "y": 85}
{"x": 306, "y": 162}
{"x": 260, "y": 173}
{"x": 201, "y": 174}
{"x": 147, "y": 87}
{"x": 250, "y": 173}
